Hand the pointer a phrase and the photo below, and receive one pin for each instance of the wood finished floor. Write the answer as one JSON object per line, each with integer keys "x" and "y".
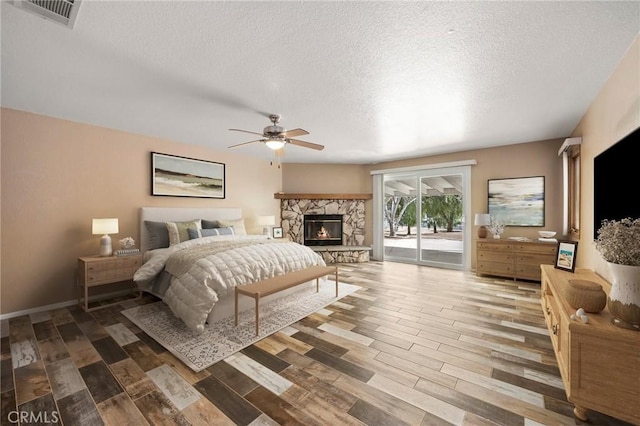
{"x": 416, "y": 345}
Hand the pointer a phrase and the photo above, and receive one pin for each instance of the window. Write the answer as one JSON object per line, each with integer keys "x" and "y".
{"x": 573, "y": 156}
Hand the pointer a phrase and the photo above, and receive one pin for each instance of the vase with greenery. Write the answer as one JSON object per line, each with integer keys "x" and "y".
{"x": 619, "y": 244}
{"x": 496, "y": 227}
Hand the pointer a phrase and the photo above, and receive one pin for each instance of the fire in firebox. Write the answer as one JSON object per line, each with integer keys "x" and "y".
{"x": 323, "y": 233}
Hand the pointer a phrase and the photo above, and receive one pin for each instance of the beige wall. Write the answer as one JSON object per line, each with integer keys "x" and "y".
{"x": 325, "y": 179}
{"x": 58, "y": 175}
{"x": 613, "y": 114}
{"x": 528, "y": 159}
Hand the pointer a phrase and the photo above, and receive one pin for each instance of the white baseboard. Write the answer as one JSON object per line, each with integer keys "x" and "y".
{"x": 62, "y": 304}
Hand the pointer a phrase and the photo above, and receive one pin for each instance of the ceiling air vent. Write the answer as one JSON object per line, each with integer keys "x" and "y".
{"x": 60, "y": 11}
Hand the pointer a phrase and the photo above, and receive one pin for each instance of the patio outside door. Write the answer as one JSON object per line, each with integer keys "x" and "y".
{"x": 424, "y": 217}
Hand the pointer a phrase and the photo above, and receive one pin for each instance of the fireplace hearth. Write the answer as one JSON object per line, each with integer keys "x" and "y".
{"x": 322, "y": 229}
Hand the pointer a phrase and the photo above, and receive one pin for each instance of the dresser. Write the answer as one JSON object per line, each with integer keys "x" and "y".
{"x": 598, "y": 361}
{"x": 514, "y": 259}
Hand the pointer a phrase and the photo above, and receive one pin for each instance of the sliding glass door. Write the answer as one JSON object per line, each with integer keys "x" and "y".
{"x": 423, "y": 217}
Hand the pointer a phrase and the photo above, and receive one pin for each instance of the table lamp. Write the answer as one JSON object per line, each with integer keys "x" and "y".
{"x": 482, "y": 220}
{"x": 267, "y": 222}
{"x": 105, "y": 227}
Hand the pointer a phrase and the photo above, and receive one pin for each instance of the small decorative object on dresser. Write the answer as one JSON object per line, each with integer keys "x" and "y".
{"x": 128, "y": 247}
{"x": 619, "y": 244}
{"x": 547, "y": 236}
{"x": 566, "y": 255}
{"x": 496, "y": 227}
{"x": 127, "y": 243}
{"x": 587, "y": 295}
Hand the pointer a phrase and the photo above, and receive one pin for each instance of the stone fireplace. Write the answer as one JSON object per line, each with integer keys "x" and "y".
{"x": 346, "y": 244}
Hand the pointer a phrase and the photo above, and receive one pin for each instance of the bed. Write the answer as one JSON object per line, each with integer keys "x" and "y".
{"x": 207, "y": 254}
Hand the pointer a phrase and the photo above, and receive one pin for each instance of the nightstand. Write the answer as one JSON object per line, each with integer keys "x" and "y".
{"x": 95, "y": 271}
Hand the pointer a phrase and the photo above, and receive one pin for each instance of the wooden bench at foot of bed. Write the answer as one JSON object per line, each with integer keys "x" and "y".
{"x": 282, "y": 282}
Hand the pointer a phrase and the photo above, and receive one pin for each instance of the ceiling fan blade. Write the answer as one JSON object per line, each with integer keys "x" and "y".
{"x": 295, "y": 132}
{"x": 246, "y": 131}
{"x": 246, "y": 143}
{"x": 306, "y": 144}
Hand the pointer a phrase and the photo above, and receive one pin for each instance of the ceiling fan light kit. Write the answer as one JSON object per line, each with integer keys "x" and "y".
{"x": 276, "y": 137}
{"x": 275, "y": 144}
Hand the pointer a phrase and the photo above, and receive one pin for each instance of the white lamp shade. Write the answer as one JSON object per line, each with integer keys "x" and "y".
{"x": 104, "y": 226}
{"x": 482, "y": 219}
{"x": 266, "y": 220}
{"x": 275, "y": 143}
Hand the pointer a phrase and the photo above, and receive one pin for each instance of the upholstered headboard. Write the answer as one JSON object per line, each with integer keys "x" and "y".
{"x": 181, "y": 214}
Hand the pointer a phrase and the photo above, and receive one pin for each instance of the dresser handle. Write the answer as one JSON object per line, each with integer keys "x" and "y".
{"x": 548, "y": 311}
{"x": 554, "y": 328}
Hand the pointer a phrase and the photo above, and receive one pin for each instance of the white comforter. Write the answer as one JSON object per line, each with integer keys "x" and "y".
{"x": 198, "y": 285}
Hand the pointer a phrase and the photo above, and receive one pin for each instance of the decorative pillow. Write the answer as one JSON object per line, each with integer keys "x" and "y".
{"x": 210, "y": 224}
{"x": 199, "y": 233}
{"x": 237, "y": 225}
{"x": 158, "y": 234}
{"x": 179, "y": 231}
{"x": 224, "y": 231}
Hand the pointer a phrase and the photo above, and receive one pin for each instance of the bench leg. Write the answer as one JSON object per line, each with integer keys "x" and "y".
{"x": 236, "y": 309}
{"x": 257, "y": 315}
{"x": 336, "y": 281}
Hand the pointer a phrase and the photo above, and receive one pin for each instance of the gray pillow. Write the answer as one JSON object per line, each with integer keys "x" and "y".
{"x": 158, "y": 234}
{"x": 198, "y": 233}
{"x": 210, "y": 224}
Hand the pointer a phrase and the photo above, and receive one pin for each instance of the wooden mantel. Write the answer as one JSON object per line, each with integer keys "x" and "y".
{"x": 283, "y": 196}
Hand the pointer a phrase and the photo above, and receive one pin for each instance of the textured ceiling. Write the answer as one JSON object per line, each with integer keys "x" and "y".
{"x": 372, "y": 81}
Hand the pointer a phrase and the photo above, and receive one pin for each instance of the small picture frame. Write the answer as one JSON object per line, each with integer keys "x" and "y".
{"x": 277, "y": 232}
{"x": 566, "y": 256}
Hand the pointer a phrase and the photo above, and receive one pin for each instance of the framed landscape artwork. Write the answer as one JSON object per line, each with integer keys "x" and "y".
{"x": 517, "y": 201}
{"x": 186, "y": 177}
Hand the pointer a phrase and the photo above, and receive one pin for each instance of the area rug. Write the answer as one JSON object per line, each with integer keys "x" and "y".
{"x": 223, "y": 338}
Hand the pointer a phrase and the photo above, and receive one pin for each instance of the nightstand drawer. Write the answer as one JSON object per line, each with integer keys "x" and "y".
{"x": 94, "y": 271}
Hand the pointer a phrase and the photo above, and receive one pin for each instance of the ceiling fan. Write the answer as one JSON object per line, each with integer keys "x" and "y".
{"x": 276, "y": 137}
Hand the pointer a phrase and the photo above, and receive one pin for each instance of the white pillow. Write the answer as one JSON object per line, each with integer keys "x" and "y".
{"x": 237, "y": 225}
{"x": 179, "y": 231}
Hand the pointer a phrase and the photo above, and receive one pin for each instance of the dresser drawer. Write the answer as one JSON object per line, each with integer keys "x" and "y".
{"x": 492, "y": 256}
{"x": 528, "y": 272}
{"x": 495, "y": 246}
{"x": 542, "y": 248}
{"x": 495, "y": 268}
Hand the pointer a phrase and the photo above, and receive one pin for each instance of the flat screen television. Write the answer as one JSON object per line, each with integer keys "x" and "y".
{"x": 616, "y": 182}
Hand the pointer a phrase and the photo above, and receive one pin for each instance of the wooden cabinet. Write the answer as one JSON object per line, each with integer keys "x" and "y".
{"x": 513, "y": 259}
{"x": 99, "y": 270}
{"x": 599, "y": 362}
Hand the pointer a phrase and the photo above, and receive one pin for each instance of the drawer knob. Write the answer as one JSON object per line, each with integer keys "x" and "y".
{"x": 554, "y": 328}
